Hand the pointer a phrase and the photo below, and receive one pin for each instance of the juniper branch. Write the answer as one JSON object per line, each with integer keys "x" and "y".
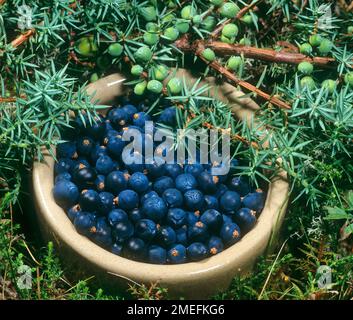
{"x": 198, "y": 46}
{"x": 224, "y": 49}
{"x": 230, "y": 76}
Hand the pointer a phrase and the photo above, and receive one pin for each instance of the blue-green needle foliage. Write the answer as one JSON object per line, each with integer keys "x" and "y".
{"x": 32, "y": 122}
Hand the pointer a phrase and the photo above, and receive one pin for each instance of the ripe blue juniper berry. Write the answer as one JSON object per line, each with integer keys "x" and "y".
{"x": 135, "y": 248}
{"x": 197, "y": 251}
{"x": 215, "y": 245}
{"x": 211, "y": 202}
{"x": 73, "y": 212}
{"x": 103, "y": 233}
{"x": 198, "y": 232}
{"x": 128, "y": 199}
{"x": 208, "y": 183}
{"x": 166, "y": 236}
{"x": 185, "y": 182}
{"x": 135, "y": 215}
{"x": 105, "y": 165}
{"x": 63, "y": 166}
{"x": 147, "y": 195}
{"x": 106, "y": 203}
{"x": 194, "y": 199}
{"x": 67, "y": 150}
{"x": 155, "y": 208}
{"x": 117, "y": 248}
{"x": 130, "y": 110}
{"x": 192, "y": 218}
{"x": 155, "y": 169}
{"x": 176, "y": 217}
{"x": 173, "y": 198}
{"x": 85, "y": 146}
{"x": 65, "y": 193}
{"x": 230, "y": 201}
{"x": 163, "y": 183}
{"x": 79, "y": 164}
{"x": 118, "y": 117}
{"x": 254, "y": 201}
{"x": 173, "y": 170}
{"x": 195, "y": 169}
{"x": 85, "y": 178}
{"x": 154, "y": 212}
{"x": 139, "y": 182}
{"x": 240, "y": 185}
{"x": 116, "y": 181}
{"x": 123, "y": 230}
{"x": 114, "y": 144}
{"x": 221, "y": 189}
{"x": 63, "y": 176}
{"x": 230, "y": 233}
{"x": 85, "y": 223}
{"x": 140, "y": 118}
{"x": 117, "y": 215}
{"x": 98, "y": 151}
{"x": 177, "y": 254}
{"x": 182, "y": 235}
{"x": 245, "y": 218}
{"x": 157, "y": 254}
{"x": 212, "y": 219}
{"x": 168, "y": 116}
{"x": 146, "y": 229}
{"x": 227, "y": 218}
{"x": 89, "y": 200}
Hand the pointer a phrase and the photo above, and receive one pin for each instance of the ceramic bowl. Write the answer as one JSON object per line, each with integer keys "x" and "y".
{"x": 197, "y": 280}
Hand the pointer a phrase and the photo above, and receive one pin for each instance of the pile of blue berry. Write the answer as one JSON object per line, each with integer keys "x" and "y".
{"x": 157, "y": 213}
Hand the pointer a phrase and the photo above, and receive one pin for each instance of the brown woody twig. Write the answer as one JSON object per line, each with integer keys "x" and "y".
{"x": 224, "y": 49}
{"x": 198, "y": 46}
{"x": 7, "y": 99}
{"x": 230, "y": 76}
{"x": 22, "y": 38}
